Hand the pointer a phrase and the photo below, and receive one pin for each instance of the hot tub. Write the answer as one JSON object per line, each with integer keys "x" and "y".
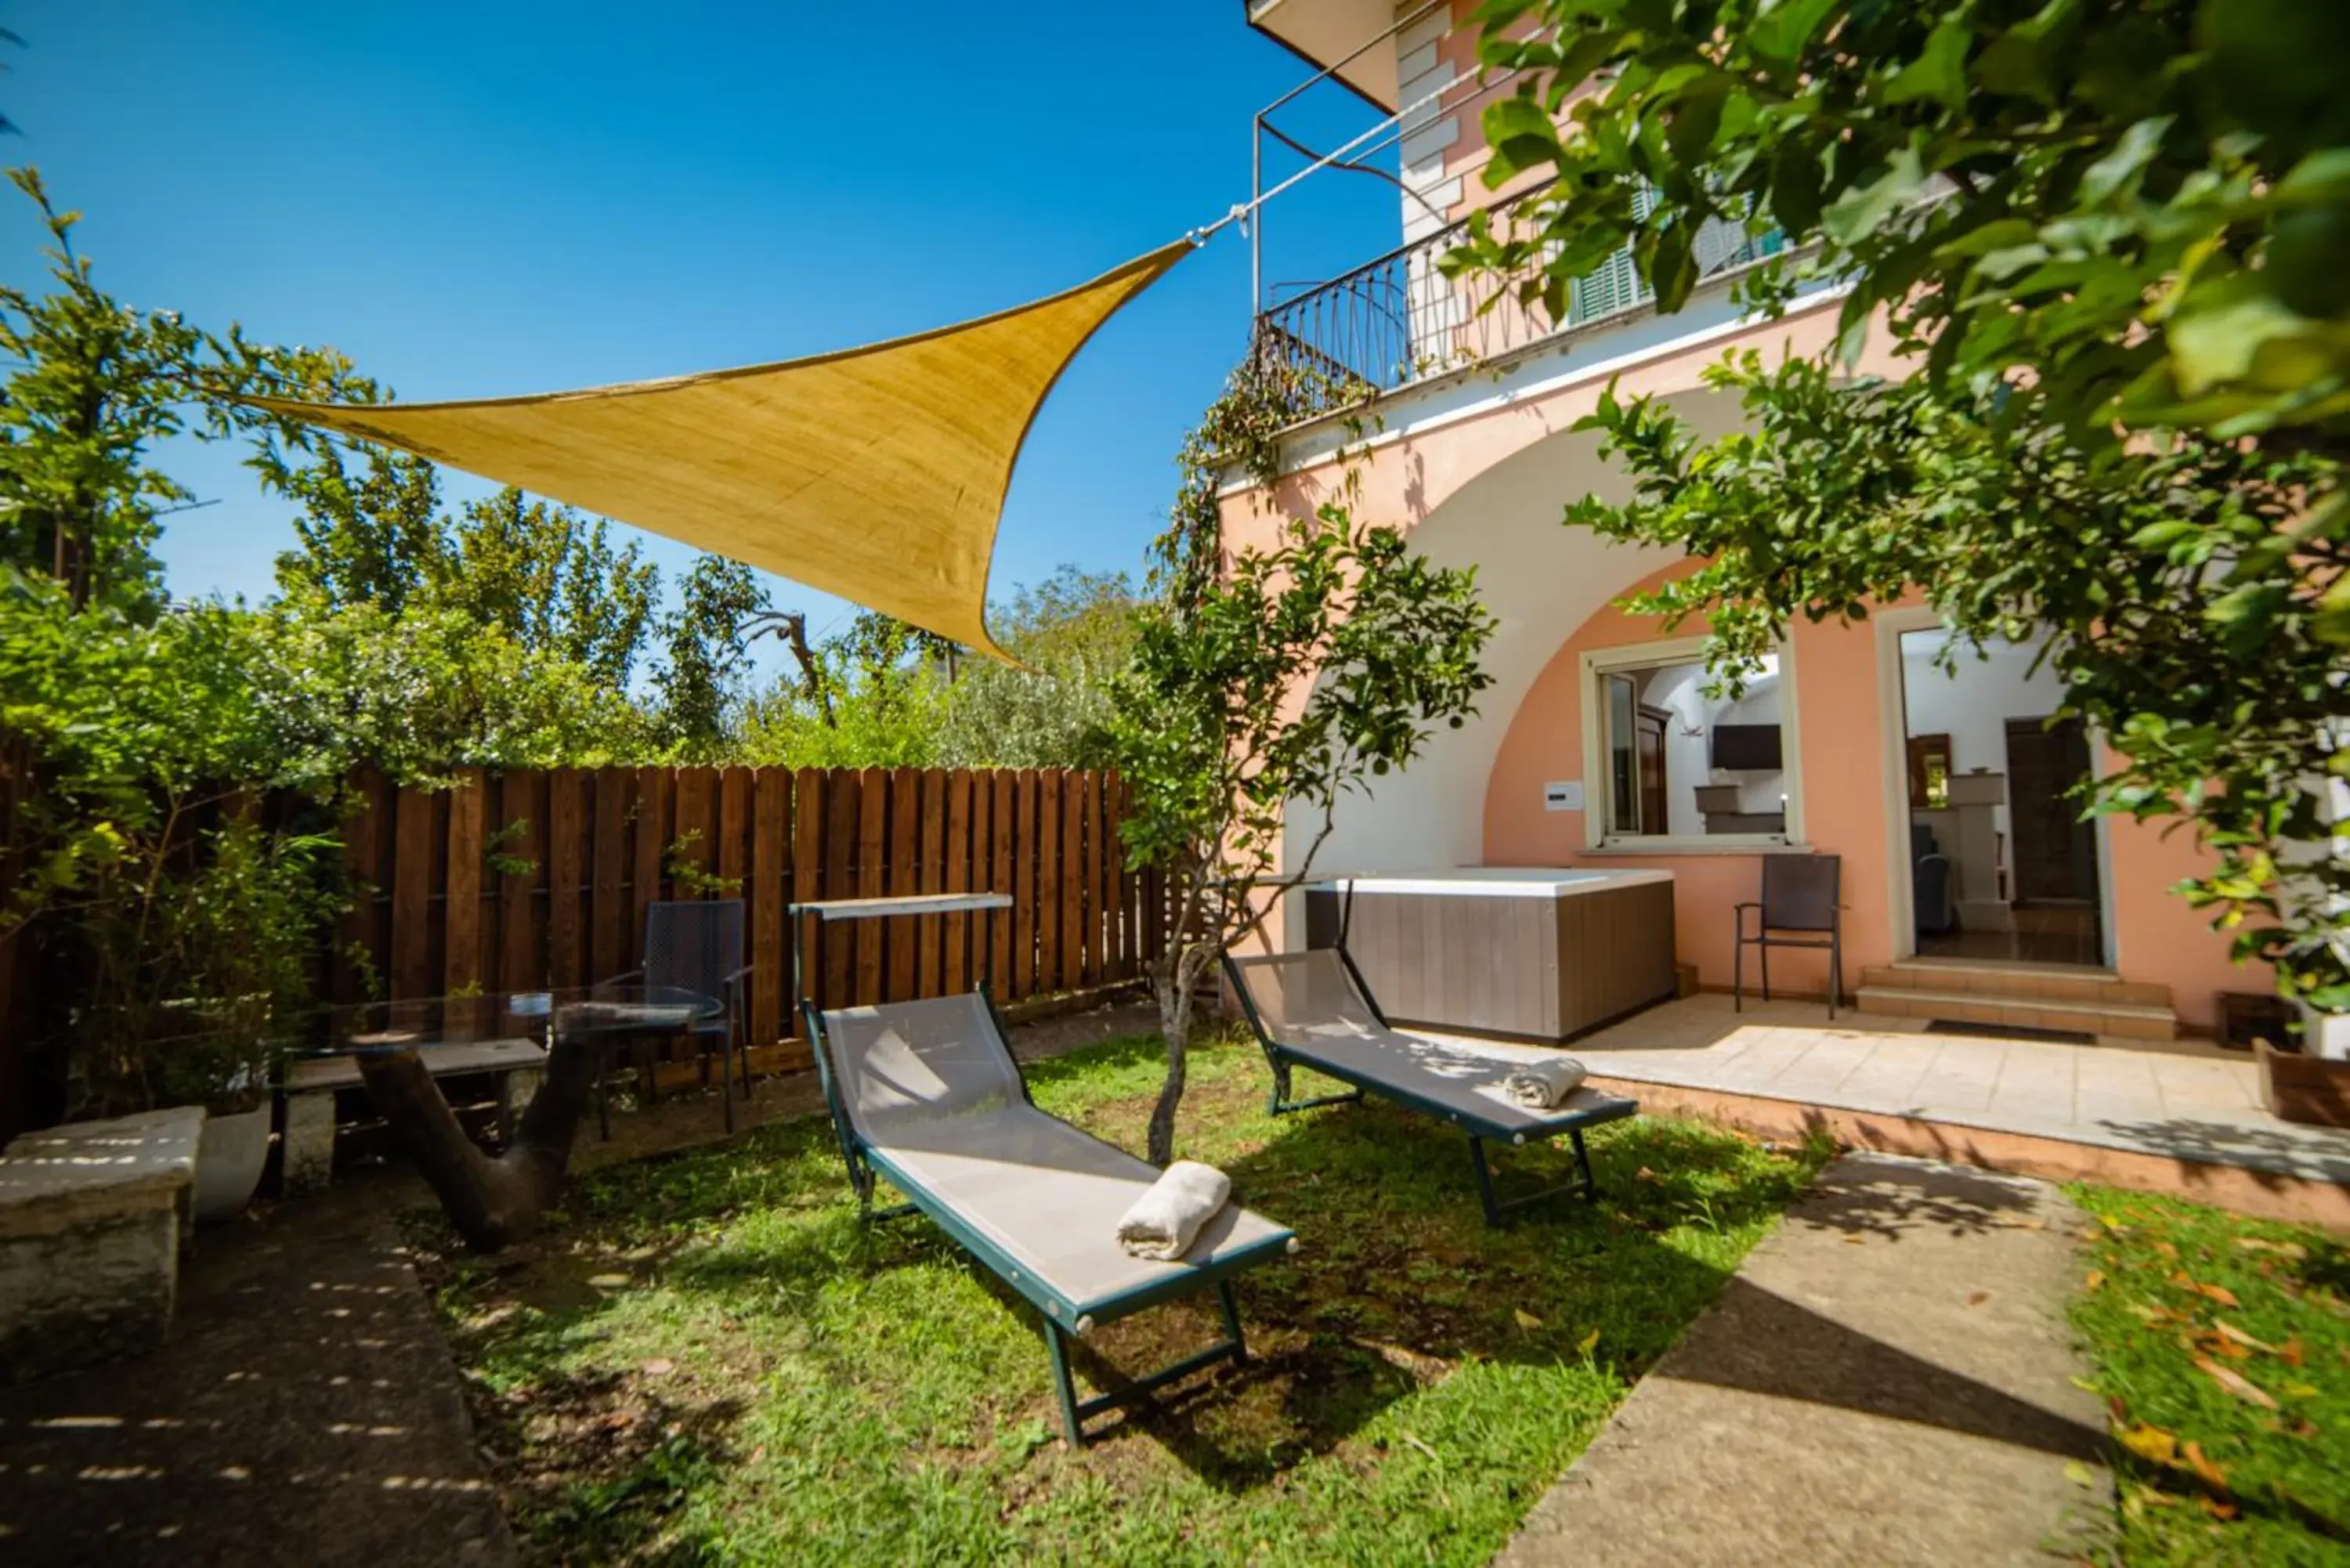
{"x": 1529, "y": 953}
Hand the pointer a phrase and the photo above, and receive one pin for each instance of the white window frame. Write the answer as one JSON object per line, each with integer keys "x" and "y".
{"x": 1599, "y": 662}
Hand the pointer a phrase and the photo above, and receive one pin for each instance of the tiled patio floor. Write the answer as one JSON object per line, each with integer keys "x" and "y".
{"x": 2187, "y": 1101}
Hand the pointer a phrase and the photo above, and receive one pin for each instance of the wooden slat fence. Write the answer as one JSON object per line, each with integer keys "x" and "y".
{"x": 528, "y": 880}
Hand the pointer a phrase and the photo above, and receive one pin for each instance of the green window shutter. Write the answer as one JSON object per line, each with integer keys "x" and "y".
{"x": 1615, "y": 284}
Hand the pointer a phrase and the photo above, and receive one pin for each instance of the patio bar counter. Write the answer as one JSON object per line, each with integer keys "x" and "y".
{"x": 1538, "y": 953}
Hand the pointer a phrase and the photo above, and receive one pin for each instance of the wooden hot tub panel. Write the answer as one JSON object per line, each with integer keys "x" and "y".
{"x": 1534, "y": 968}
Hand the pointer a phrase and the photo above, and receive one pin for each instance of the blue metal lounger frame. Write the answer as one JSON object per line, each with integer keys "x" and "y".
{"x": 1282, "y": 1059}
{"x": 1065, "y": 1319}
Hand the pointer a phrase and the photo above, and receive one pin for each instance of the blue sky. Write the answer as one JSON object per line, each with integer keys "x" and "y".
{"x": 494, "y": 199}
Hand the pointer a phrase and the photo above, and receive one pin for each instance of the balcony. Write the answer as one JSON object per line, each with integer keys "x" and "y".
{"x": 1397, "y": 321}
{"x": 1323, "y": 31}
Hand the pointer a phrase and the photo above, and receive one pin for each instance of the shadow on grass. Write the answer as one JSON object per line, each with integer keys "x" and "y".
{"x": 625, "y": 1458}
{"x": 2274, "y": 1503}
{"x": 595, "y": 1458}
{"x": 1400, "y": 1286}
{"x": 1380, "y": 1193}
{"x": 1399, "y": 1282}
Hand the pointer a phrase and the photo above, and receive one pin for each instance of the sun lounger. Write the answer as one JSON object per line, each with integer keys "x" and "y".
{"x": 1313, "y": 1009}
{"x": 926, "y": 1094}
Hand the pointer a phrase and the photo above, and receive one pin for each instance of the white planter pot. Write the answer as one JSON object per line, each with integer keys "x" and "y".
{"x": 2325, "y": 1034}
{"x": 229, "y": 1160}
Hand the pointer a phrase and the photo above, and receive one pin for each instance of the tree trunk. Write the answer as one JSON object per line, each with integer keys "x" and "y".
{"x": 1174, "y": 983}
{"x": 493, "y": 1202}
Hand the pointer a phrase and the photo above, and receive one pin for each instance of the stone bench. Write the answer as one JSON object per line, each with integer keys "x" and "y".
{"x": 92, "y": 1215}
{"x": 311, "y": 1085}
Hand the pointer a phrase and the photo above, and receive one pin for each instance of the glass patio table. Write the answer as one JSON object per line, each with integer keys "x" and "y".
{"x": 453, "y": 1033}
{"x": 627, "y": 1016}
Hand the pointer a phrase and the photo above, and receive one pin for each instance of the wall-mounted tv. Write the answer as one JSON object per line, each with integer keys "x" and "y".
{"x": 1747, "y": 748}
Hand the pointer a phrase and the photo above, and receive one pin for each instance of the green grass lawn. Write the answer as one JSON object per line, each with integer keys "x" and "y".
{"x": 711, "y": 1360}
{"x": 2222, "y": 1348}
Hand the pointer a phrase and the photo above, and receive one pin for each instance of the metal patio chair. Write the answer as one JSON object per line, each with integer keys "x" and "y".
{"x": 1801, "y": 902}
{"x": 698, "y": 945}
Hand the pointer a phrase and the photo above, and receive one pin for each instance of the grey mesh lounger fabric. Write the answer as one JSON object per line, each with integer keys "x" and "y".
{"x": 926, "y": 1094}
{"x": 1313, "y": 1009}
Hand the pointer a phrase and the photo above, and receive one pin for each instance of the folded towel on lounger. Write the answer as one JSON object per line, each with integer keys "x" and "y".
{"x": 1163, "y": 1221}
{"x": 1543, "y": 1086}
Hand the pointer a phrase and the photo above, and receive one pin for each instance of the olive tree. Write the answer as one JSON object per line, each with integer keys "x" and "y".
{"x": 1280, "y": 682}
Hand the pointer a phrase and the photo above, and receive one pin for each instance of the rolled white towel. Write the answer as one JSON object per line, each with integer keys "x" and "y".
{"x": 1164, "y": 1221}
{"x": 1543, "y": 1086}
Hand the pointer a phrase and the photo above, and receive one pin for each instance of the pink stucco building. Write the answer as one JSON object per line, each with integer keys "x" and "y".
{"x": 1969, "y": 890}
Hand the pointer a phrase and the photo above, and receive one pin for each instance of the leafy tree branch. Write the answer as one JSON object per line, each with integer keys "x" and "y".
{"x": 2109, "y": 234}
{"x": 2168, "y": 582}
{"x": 1266, "y": 686}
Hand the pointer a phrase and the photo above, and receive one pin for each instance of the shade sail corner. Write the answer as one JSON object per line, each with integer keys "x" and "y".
{"x": 876, "y": 474}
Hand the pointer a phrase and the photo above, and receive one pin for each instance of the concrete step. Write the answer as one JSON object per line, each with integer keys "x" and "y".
{"x": 2125, "y": 1019}
{"x": 2019, "y": 982}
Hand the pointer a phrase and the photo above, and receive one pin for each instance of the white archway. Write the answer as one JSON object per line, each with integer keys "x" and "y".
{"x": 1541, "y": 580}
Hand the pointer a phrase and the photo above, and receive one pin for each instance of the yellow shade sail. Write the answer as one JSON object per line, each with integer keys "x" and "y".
{"x": 877, "y": 474}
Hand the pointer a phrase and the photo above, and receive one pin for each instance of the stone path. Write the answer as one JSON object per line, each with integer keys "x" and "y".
{"x": 306, "y": 1411}
{"x": 1886, "y": 1381}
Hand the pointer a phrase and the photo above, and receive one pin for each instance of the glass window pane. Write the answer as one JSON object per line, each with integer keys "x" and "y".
{"x": 1687, "y": 761}
{"x": 1623, "y": 797}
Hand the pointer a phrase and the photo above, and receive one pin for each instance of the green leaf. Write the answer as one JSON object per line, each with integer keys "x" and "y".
{"x": 2322, "y": 176}
{"x": 1523, "y": 137}
{"x": 2161, "y": 536}
{"x": 2308, "y": 260}
{"x": 1939, "y": 71}
{"x": 1695, "y": 120}
{"x": 2247, "y": 613}
{"x": 2022, "y": 61}
{"x": 2276, "y": 64}
{"x": 2216, "y": 331}
{"x": 1795, "y": 188}
{"x": 1860, "y": 210}
{"x": 2121, "y": 167}
{"x": 1672, "y": 268}
{"x": 2331, "y": 624}
{"x": 1784, "y": 28}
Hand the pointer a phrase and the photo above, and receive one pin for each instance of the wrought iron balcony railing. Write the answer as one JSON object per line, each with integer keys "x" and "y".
{"x": 1399, "y": 320}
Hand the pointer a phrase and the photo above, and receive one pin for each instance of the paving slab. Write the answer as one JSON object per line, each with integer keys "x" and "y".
{"x": 1893, "y": 1071}
{"x": 2184, "y": 1101}
{"x": 1961, "y": 1080}
{"x": 2036, "y": 1080}
{"x": 2118, "y": 1083}
{"x": 1823, "y": 1067}
{"x": 1887, "y": 1380}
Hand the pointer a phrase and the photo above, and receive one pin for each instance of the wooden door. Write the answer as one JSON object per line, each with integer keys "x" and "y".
{"x": 2056, "y": 852}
